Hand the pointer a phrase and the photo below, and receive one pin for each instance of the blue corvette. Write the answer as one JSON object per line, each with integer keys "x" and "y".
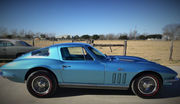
{"x": 82, "y": 66}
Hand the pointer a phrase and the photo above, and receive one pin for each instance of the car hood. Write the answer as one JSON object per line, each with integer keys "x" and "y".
{"x": 140, "y": 62}
{"x": 126, "y": 58}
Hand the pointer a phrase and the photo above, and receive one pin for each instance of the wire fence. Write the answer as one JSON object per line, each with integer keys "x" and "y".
{"x": 158, "y": 51}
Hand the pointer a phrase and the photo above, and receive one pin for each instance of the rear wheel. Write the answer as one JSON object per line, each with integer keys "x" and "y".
{"x": 146, "y": 86}
{"x": 41, "y": 84}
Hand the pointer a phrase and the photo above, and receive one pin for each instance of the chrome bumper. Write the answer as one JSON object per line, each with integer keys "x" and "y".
{"x": 171, "y": 80}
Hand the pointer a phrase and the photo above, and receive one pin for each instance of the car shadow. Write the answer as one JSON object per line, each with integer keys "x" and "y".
{"x": 166, "y": 92}
{"x": 67, "y": 92}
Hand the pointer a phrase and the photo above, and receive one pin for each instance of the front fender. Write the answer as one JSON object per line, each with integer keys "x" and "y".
{"x": 164, "y": 72}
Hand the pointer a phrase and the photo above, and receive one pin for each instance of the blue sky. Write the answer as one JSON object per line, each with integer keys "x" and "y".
{"x": 89, "y": 16}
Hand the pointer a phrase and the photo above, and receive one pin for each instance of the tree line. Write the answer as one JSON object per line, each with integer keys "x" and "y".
{"x": 170, "y": 32}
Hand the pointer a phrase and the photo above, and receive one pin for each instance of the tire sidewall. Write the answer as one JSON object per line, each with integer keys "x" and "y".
{"x": 51, "y": 79}
{"x": 138, "y": 92}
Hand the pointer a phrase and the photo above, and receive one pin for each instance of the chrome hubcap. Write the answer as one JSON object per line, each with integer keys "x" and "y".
{"x": 147, "y": 85}
{"x": 41, "y": 85}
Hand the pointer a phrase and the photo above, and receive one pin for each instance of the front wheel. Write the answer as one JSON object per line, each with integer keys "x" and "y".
{"x": 41, "y": 84}
{"x": 146, "y": 86}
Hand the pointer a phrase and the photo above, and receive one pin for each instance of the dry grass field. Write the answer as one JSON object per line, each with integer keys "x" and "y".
{"x": 157, "y": 51}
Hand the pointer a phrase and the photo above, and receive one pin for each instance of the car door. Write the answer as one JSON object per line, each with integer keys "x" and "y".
{"x": 2, "y": 49}
{"x": 79, "y": 67}
{"x": 11, "y": 50}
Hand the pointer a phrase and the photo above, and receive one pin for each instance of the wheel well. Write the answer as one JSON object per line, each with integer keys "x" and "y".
{"x": 145, "y": 72}
{"x": 36, "y": 69}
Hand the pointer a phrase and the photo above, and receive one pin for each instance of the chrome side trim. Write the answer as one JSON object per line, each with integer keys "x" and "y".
{"x": 93, "y": 86}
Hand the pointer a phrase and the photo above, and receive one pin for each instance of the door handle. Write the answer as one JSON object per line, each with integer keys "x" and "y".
{"x": 65, "y": 66}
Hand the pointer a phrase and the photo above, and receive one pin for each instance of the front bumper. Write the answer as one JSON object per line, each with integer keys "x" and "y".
{"x": 1, "y": 73}
{"x": 170, "y": 81}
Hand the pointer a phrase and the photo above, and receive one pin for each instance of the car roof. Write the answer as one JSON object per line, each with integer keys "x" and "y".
{"x": 61, "y": 44}
{"x": 71, "y": 44}
{"x": 10, "y": 40}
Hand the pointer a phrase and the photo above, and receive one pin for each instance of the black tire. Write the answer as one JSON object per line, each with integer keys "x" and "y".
{"x": 152, "y": 82}
{"x": 41, "y": 84}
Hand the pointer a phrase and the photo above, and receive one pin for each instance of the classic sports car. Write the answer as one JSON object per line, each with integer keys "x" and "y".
{"x": 14, "y": 48}
{"x": 80, "y": 65}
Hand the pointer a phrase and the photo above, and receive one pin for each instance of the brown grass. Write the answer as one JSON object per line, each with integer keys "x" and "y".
{"x": 157, "y": 51}
{"x": 2, "y": 64}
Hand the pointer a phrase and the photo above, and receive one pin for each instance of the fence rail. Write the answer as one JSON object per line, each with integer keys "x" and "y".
{"x": 112, "y": 45}
{"x": 108, "y": 45}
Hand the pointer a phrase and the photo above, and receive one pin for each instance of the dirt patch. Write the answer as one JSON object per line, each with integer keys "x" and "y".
{"x": 2, "y": 64}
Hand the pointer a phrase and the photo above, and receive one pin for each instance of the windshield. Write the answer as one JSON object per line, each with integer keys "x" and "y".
{"x": 97, "y": 53}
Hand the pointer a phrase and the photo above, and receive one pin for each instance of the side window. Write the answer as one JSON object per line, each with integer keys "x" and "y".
{"x": 41, "y": 52}
{"x": 5, "y": 44}
{"x": 75, "y": 53}
{"x": 75, "y": 50}
{"x": 2, "y": 44}
{"x": 9, "y": 44}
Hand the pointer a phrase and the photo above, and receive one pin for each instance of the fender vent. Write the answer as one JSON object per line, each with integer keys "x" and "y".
{"x": 124, "y": 78}
{"x": 119, "y": 78}
{"x": 114, "y": 78}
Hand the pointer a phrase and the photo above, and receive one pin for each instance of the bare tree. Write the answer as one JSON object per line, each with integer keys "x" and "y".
{"x": 29, "y": 35}
{"x": 110, "y": 36}
{"x": 133, "y": 34}
{"x": 101, "y": 37}
{"x": 21, "y": 33}
{"x": 3, "y": 32}
{"x": 171, "y": 31}
{"x": 37, "y": 34}
{"x": 116, "y": 37}
{"x": 14, "y": 32}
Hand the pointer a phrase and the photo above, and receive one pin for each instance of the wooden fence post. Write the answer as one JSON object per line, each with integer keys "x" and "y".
{"x": 125, "y": 47}
{"x": 33, "y": 43}
{"x": 92, "y": 42}
{"x": 53, "y": 41}
{"x": 171, "y": 51}
{"x": 110, "y": 48}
